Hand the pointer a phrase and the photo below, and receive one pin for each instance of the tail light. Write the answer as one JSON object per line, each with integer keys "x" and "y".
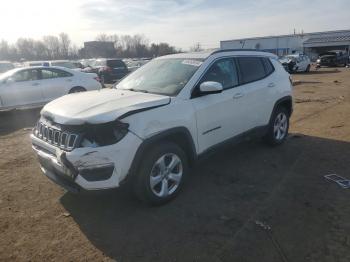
{"x": 97, "y": 79}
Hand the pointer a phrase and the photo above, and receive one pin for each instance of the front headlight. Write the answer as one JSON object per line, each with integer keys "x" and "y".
{"x": 104, "y": 134}
{"x": 318, "y": 60}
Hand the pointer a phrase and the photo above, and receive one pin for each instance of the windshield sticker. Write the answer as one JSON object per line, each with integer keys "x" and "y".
{"x": 192, "y": 62}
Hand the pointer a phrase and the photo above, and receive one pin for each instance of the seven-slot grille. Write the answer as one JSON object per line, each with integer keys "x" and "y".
{"x": 56, "y": 137}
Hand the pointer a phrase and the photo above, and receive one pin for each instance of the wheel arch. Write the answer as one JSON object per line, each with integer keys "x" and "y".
{"x": 287, "y": 102}
{"x": 76, "y": 87}
{"x": 178, "y": 135}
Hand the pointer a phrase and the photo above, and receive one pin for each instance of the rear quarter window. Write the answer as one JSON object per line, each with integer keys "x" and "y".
{"x": 268, "y": 66}
{"x": 251, "y": 69}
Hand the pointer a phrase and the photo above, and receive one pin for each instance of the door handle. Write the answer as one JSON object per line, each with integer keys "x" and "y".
{"x": 35, "y": 84}
{"x": 271, "y": 85}
{"x": 238, "y": 95}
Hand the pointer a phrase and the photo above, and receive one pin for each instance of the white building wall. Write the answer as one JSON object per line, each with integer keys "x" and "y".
{"x": 279, "y": 45}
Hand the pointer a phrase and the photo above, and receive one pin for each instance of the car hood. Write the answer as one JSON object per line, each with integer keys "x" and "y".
{"x": 97, "y": 107}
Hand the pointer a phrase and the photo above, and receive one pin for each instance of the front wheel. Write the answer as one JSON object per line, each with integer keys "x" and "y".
{"x": 161, "y": 174}
{"x": 278, "y": 127}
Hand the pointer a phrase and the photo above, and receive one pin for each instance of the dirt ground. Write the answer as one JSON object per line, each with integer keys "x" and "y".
{"x": 246, "y": 203}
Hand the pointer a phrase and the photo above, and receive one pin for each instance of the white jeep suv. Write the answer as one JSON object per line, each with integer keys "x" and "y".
{"x": 160, "y": 119}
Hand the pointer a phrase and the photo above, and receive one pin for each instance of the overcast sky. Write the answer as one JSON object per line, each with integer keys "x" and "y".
{"x": 179, "y": 22}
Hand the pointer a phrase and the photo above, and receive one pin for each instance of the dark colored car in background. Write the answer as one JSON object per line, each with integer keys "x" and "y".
{"x": 333, "y": 58}
{"x": 110, "y": 70}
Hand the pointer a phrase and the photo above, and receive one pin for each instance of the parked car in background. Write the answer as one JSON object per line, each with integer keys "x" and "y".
{"x": 134, "y": 64}
{"x": 34, "y": 63}
{"x": 35, "y": 86}
{"x": 5, "y": 66}
{"x": 160, "y": 119}
{"x": 296, "y": 63}
{"x": 77, "y": 64}
{"x": 62, "y": 63}
{"x": 66, "y": 64}
{"x": 87, "y": 62}
{"x": 333, "y": 58}
{"x": 109, "y": 70}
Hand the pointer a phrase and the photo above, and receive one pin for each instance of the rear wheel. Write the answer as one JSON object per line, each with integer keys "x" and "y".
{"x": 77, "y": 89}
{"x": 307, "y": 69}
{"x": 161, "y": 174}
{"x": 278, "y": 127}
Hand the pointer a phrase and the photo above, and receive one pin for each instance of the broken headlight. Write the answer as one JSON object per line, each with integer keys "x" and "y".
{"x": 104, "y": 134}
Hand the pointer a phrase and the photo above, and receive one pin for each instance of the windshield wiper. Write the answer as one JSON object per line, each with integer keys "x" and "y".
{"x": 137, "y": 90}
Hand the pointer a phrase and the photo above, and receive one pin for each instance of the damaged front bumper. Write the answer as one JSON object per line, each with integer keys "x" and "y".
{"x": 88, "y": 168}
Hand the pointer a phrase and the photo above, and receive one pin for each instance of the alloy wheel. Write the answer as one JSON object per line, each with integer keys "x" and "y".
{"x": 166, "y": 175}
{"x": 280, "y": 126}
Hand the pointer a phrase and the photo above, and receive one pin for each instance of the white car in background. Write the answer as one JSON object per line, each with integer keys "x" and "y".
{"x": 296, "y": 63}
{"x": 61, "y": 63}
{"x": 35, "y": 86}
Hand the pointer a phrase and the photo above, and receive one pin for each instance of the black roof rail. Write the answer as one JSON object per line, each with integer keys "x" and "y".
{"x": 231, "y": 50}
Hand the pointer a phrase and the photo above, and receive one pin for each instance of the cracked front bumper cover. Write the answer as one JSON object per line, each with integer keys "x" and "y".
{"x": 87, "y": 168}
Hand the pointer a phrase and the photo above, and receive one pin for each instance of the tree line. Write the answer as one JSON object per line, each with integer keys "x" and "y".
{"x": 61, "y": 47}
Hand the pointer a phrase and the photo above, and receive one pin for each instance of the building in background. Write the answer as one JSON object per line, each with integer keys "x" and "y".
{"x": 96, "y": 49}
{"x": 311, "y": 44}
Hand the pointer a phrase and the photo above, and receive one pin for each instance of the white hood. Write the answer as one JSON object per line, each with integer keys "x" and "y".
{"x": 97, "y": 107}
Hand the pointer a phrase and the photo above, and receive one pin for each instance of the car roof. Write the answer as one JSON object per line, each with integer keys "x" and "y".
{"x": 41, "y": 67}
{"x": 206, "y": 54}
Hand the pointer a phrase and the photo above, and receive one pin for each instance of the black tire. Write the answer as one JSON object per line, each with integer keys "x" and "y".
{"x": 272, "y": 138}
{"x": 77, "y": 89}
{"x": 307, "y": 69}
{"x": 149, "y": 167}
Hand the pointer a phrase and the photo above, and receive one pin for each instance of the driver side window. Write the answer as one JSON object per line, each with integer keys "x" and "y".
{"x": 223, "y": 71}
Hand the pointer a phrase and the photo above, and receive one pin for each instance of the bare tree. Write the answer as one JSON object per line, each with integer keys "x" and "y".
{"x": 53, "y": 46}
{"x": 196, "y": 47}
{"x": 102, "y": 37}
{"x": 64, "y": 43}
{"x": 4, "y": 50}
{"x": 60, "y": 47}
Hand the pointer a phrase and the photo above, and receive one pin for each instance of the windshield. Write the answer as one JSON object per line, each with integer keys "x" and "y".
{"x": 161, "y": 76}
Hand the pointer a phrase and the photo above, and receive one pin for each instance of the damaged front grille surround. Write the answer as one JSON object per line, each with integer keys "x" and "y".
{"x": 88, "y": 135}
{"x": 62, "y": 139}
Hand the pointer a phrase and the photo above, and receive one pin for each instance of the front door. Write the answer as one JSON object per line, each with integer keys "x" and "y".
{"x": 219, "y": 116}
{"x": 22, "y": 89}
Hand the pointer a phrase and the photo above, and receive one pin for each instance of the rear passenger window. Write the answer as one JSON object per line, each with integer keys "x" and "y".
{"x": 268, "y": 66}
{"x": 54, "y": 73}
{"x": 251, "y": 69}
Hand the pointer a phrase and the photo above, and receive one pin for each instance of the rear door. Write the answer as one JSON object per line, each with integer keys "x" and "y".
{"x": 22, "y": 89}
{"x": 258, "y": 84}
{"x": 55, "y": 82}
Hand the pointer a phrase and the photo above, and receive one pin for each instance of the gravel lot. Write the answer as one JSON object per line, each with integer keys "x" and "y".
{"x": 215, "y": 217}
